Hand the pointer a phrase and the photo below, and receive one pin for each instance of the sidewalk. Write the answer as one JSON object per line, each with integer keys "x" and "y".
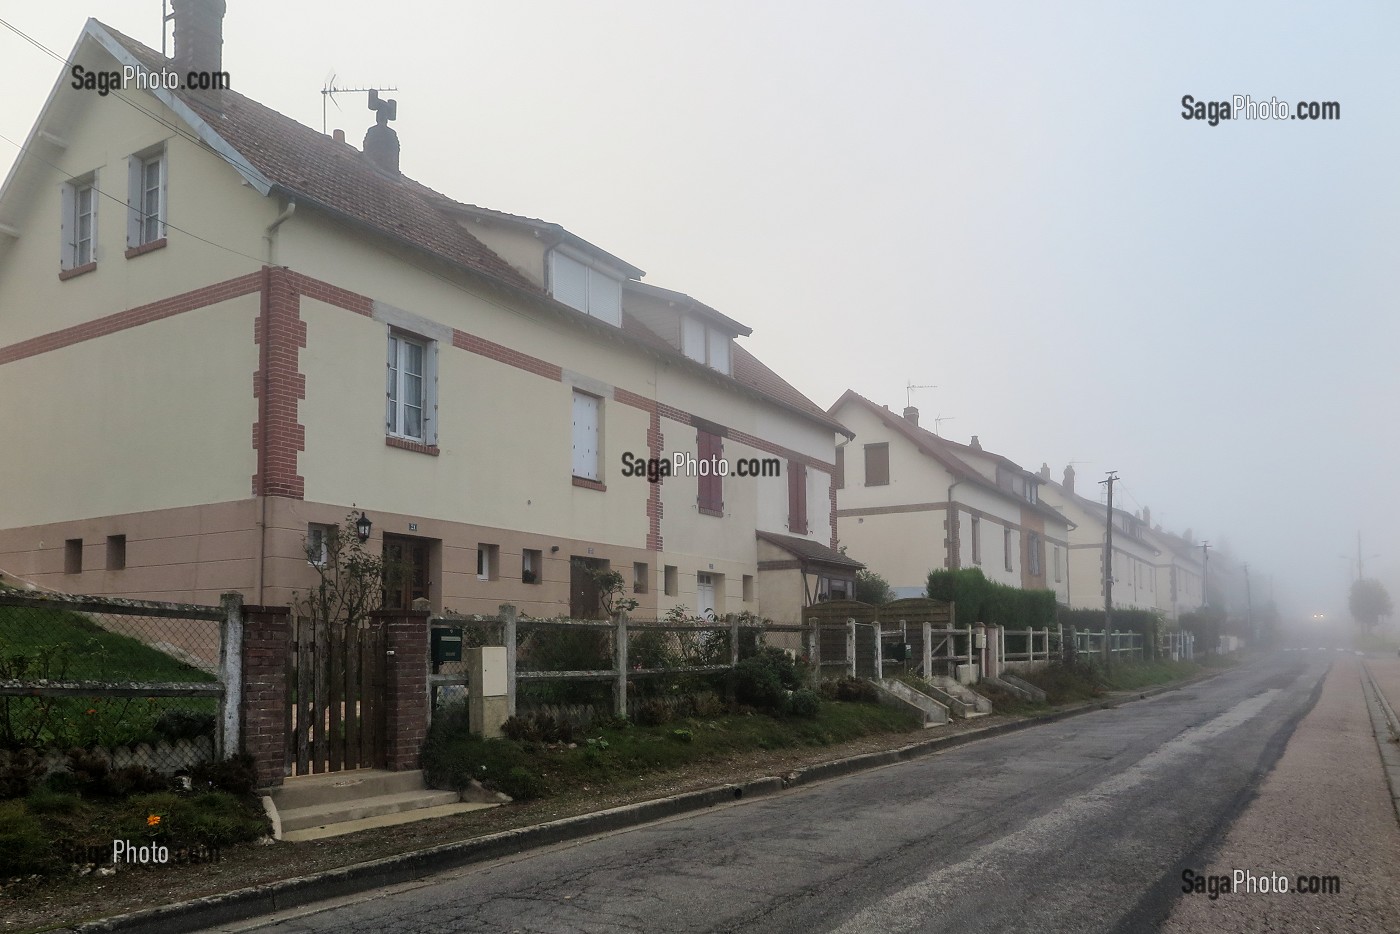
{"x": 1324, "y": 810}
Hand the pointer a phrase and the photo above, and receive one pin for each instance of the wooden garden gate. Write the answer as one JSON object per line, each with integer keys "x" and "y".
{"x": 335, "y": 696}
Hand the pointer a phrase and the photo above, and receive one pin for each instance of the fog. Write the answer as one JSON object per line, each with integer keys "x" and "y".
{"x": 1005, "y": 204}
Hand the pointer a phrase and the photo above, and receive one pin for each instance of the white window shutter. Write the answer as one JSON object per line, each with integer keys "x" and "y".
{"x": 693, "y": 339}
{"x": 67, "y": 226}
{"x": 605, "y": 297}
{"x": 164, "y": 186}
{"x": 568, "y": 281}
{"x": 719, "y": 350}
{"x": 134, "y": 195}
{"x": 585, "y": 441}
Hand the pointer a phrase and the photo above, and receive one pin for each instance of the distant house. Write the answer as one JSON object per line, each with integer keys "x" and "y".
{"x": 1135, "y": 557}
{"x": 1179, "y": 571}
{"x": 910, "y": 501}
{"x": 221, "y": 332}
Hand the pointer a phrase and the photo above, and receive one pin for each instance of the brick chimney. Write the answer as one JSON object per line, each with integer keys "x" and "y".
{"x": 1044, "y": 471}
{"x": 911, "y": 415}
{"x": 381, "y": 142}
{"x": 1069, "y": 478}
{"x": 199, "y": 35}
{"x": 976, "y": 445}
{"x": 1146, "y": 516}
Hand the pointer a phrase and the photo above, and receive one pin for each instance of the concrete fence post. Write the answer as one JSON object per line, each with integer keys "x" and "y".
{"x": 814, "y": 650}
{"x": 980, "y": 644}
{"x": 851, "y": 647}
{"x": 733, "y": 640}
{"x": 928, "y": 649}
{"x": 230, "y": 674}
{"x": 509, "y": 615}
{"x": 620, "y": 665}
{"x": 879, "y": 652}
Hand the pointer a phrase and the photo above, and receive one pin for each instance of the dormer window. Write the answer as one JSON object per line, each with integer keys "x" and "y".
{"x": 705, "y": 344}
{"x": 579, "y": 284}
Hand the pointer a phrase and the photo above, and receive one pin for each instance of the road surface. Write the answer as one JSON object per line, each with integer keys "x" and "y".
{"x": 1083, "y": 825}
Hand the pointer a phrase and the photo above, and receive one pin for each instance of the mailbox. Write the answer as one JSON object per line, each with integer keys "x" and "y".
{"x": 896, "y": 651}
{"x": 447, "y": 645}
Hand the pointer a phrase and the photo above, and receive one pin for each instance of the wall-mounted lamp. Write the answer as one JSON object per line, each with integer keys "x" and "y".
{"x": 553, "y": 549}
{"x": 362, "y": 527}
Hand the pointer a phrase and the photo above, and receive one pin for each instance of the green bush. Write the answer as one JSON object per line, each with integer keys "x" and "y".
{"x": 653, "y": 712}
{"x": 25, "y": 847}
{"x": 980, "y": 600}
{"x": 20, "y": 771}
{"x": 804, "y": 703}
{"x": 757, "y": 682}
{"x": 181, "y": 723}
{"x": 237, "y": 775}
{"x": 211, "y": 818}
{"x": 850, "y": 689}
{"x": 521, "y": 784}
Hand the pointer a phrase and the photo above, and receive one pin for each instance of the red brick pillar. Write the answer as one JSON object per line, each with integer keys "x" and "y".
{"x": 406, "y": 712}
{"x": 267, "y": 640}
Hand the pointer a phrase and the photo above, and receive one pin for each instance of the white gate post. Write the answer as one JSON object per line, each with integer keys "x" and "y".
{"x": 814, "y": 650}
{"x": 879, "y": 652}
{"x": 928, "y": 649}
{"x": 620, "y": 665}
{"x": 851, "y": 647}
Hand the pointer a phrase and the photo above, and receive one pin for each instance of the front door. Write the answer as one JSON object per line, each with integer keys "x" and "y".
{"x": 585, "y": 600}
{"x": 405, "y": 571}
{"x": 704, "y": 593}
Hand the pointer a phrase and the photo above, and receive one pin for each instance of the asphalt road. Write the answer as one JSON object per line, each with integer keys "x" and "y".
{"x": 1082, "y": 825}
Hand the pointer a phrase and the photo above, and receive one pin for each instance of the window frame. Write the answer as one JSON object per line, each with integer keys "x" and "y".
{"x": 597, "y": 455}
{"x": 592, "y": 274}
{"x": 71, "y": 194}
{"x": 394, "y": 387}
{"x": 318, "y": 531}
{"x": 875, "y": 448}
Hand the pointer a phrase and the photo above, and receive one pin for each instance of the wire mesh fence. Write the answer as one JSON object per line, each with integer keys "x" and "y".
{"x": 132, "y": 683}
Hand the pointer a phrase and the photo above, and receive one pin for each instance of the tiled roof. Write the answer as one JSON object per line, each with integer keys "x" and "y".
{"x": 941, "y": 450}
{"x": 805, "y": 549}
{"x": 335, "y": 175}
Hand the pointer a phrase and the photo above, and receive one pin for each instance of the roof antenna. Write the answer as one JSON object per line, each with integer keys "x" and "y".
{"x": 330, "y": 91}
{"x": 939, "y": 420}
{"x": 909, "y": 392}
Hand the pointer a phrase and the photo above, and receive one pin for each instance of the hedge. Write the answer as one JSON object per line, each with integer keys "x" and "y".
{"x": 979, "y": 600}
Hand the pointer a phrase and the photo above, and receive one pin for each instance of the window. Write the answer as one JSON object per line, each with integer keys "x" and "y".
{"x": 591, "y": 290}
{"x": 146, "y": 212}
{"x": 409, "y": 385}
{"x": 318, "y": 541}
{"x": 73, "y": 556}
{"x": 1006, "y": 548}
{"x": 840, "y": 474}
{"x": 748, "y": 588}
{"x": 797, "y": 498}
{"x": 1033, "y": 553}
{"x": 976, "y": 539}
{"x": 588, "y": 412}
{"x": 1059, "y": 572}
{"x": 1032, "y": 491}
{"x": 705, "y": 344}
{"x": 671, "y": 580}
{"x": 487, "y": 561}
{"x": 531, "y": 561}
{"x": 79, "y": 223}
{"x": 116, "y": 552}
{"x": 711, "y": 495}
{"x": 640, "y": 572}
{"x": 877, "y": 464}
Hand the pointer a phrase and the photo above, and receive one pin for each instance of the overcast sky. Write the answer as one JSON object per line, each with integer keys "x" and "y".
{"x": 1001, "y": 200}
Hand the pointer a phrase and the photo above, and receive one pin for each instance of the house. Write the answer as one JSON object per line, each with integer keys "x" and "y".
{"x": 1179, "y": 579}
{"x": 222, "y": 332}
{"x": 910, "y": 501}
{"x": 1135, "y": 558}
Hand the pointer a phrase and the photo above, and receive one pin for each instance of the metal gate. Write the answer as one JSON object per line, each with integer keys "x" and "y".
{"x": 335, "y": 696}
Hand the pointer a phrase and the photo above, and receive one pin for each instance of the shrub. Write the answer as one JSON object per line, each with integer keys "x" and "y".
{"x": 653, "y": 712}
{"x": 20, "y": 771}
{"x": 237, "y": 775}
{"x": 536, "y": 728}
{"x": 757, "y": 682}
{"x": 94, "y": 777}
{"x": 521, "y": 784}
{"x": 855, "y": 690}
{"x": 211, "y": 818}
{"x": 25, "y": 846}
{"x": 804, "y": 703}
{"x": 175, "y": 725}
{"x": 683, "y": 736}
{"x": 981, "y": 600}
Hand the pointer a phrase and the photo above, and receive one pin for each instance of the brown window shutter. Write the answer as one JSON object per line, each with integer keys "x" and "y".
{"x": 797, "y": 498}
{"x": 840, "y": 474}
{"x": 877, "y": 464}
{"x": 711, "y": 487}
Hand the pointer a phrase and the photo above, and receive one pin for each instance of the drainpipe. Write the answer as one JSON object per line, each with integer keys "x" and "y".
{"x": 263, "y": 313}
{"x": 270, "y": 236}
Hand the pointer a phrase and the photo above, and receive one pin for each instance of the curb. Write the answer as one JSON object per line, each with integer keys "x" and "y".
{"x": 1385, "y": 725}
{"x": 254, "y": 901}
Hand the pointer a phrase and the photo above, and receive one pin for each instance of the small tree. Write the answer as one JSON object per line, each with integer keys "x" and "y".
{"x": 351, "y": 578}
{"x": 611, "y": 587}
{"x": 1369, "y": 601}
{"x": 872, "y": 588}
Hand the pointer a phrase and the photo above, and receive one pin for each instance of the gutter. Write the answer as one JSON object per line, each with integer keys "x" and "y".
{"x": 270, "y": 235}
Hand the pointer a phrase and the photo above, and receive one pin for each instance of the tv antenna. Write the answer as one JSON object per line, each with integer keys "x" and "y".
{"x": 909, "y": 392}
{"x": 939, "y": 420}
{"x": 329, "y": 92}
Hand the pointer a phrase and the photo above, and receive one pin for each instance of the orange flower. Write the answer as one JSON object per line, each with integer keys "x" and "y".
{"x": 91, "y": 711}
{"x": 153, "y": 820}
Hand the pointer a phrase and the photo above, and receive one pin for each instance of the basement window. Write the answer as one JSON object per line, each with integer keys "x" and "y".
{"x": 116, "y": 552}
{"x": 73, "y": 556}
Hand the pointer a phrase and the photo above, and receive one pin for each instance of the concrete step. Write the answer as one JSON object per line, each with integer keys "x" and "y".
{"x": 384, "y": 820}
{"x": 930, "y": 711}
{"x": 378, "y": 806}
{"x": 331, "y": 787}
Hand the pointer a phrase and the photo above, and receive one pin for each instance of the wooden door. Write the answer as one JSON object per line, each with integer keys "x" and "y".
{"x": 405, "y": 571}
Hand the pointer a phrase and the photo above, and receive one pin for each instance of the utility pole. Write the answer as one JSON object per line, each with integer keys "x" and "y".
{"x": 1360, "y": 561}
{"x": 1108, "y": 571}
{"x": 1249, "y": 604}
